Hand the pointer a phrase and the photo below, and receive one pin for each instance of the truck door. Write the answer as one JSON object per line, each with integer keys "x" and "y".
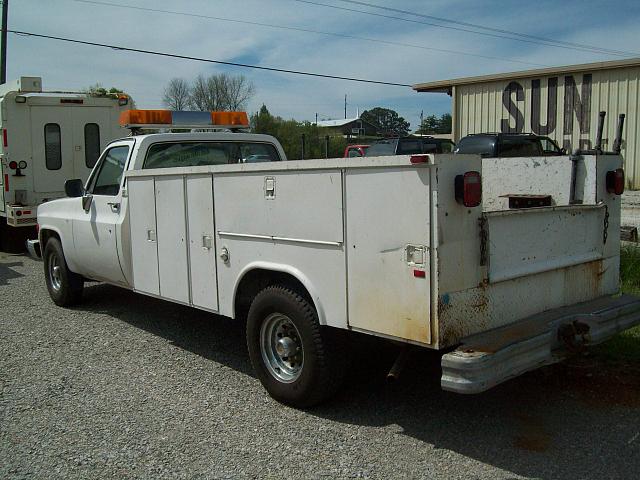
{"x": 52, "y": 147}
{"x": 90, "y": 135}
{"x": 94, "y": 229}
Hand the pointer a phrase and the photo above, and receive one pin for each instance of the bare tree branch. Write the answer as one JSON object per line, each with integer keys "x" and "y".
{"x": 176, "y": 94}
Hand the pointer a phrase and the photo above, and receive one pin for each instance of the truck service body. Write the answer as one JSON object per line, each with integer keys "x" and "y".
{"x": 47, "y": 138}
{"x": 423, "y": 250}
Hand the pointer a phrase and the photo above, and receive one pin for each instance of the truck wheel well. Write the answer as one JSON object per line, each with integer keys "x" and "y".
{"x": 256, "y": 280}
{"x": 45, "y": 235}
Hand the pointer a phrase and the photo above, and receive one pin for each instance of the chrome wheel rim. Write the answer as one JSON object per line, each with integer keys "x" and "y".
{"x": 55, "y": 275}
{"x": 281, "y": 348}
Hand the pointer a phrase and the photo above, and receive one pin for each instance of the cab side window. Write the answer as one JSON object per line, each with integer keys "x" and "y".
{"x": 107, "y": 179}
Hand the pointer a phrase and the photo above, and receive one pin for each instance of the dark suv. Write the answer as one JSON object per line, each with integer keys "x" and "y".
{"x": 409, "y": 146}
{"x": 508, "y": 145}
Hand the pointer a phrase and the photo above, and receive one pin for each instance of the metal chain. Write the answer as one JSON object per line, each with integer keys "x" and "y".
{"x": 483, "y": 240}
{"x": 606, "y": 224}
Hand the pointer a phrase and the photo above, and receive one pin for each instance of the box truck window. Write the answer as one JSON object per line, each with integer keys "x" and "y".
{"x": 52, "y": 146}
{"x": 91, "y": 144}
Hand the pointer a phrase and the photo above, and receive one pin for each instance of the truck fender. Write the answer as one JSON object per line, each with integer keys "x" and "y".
{"x": 282, "y": 268}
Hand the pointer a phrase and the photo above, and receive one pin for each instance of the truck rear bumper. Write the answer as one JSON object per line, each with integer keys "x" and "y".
{"x": 487, "y": 359}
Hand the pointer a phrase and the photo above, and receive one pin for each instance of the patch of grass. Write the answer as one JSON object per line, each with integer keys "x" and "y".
{"x": 626, "y": 346}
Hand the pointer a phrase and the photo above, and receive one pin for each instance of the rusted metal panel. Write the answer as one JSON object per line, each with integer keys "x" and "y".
{"x": 563, "y": 106}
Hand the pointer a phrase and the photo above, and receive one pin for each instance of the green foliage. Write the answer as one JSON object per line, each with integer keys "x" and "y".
{"x": 388, "y": 122}
{"x": 433, "y": 125}
{"x": 626, "y": 346}
{"x": 97, "y": 90}
{"x": 289, "y": 134}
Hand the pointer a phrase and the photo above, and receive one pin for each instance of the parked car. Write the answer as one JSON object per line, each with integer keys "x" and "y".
{"x": 410, "y": 146}
{"x": 355, "y": 151}
{"x": 508, "y": 145}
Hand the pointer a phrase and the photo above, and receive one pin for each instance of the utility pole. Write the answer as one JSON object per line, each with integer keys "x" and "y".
{"x": 316, "y": 118}
{"x": 3, "y": 38}
{"x": 345, "y": 105}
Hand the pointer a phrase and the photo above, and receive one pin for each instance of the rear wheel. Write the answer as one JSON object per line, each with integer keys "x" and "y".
{"x": 65, "y": 287}
{"x": 290, "y": 353}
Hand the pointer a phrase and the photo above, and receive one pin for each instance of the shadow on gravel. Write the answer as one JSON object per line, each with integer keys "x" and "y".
{"x": 8, "y": 273}
{"x": 211, "y": 336}
{"x": 577, "y": 419}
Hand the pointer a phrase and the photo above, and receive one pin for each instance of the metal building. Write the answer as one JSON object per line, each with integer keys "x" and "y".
{"x": 560, "y": 102}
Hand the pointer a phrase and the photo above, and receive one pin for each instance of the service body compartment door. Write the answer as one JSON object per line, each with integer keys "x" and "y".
{"x": 144, "y": 246}
{"x": 388, "y": 237}
{"x": 202, "y": 249}
{"x": 173, "y": 266}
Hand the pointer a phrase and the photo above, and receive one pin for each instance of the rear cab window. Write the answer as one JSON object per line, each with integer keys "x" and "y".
{"x": 197, "y": 153}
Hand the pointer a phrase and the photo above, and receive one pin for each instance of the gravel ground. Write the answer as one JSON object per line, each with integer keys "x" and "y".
{"x": 128, "y": 386}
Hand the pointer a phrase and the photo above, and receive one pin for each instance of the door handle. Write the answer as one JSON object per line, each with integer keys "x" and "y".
{"x": 114, "y": 205}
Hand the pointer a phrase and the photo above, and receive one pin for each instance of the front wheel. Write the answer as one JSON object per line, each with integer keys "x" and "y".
{"x": 65, "y": 287}
{"x": 290, "y": 354}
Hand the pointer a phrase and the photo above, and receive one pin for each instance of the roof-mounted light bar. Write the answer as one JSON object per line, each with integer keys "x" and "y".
{"x": 150, "y": 119}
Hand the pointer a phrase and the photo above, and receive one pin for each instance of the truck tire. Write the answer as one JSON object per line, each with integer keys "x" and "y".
{"x": 288, "y": 349}
{"x": 65, "y": 287}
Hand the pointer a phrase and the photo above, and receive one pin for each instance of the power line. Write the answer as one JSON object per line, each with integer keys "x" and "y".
{"x": 206, "y": 60}
{"x": 483, "y": 27}
{"x": 306, "y": 30}
{"x": 460, "y": 29}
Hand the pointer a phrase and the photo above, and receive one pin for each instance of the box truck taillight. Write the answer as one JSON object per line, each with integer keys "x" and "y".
{"x": 468, "y": 189}
{"x": 5, "y": 143}
{"x": 419, "y": 158}
{"x": 615, "y": 181}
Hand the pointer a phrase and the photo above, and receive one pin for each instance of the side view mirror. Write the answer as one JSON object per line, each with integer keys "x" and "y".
{"x": 74, "y": 188}
{"x": 563, "y": 151}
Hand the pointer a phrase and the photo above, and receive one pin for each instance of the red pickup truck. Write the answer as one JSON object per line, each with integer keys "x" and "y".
{"x": 355, "y": 151}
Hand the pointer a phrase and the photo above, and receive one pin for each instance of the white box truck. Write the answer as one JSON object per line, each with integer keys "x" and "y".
{"x": 425, "y": 250}
{"x": 47, "y": 138}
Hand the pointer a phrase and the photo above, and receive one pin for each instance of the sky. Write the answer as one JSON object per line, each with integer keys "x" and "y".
{"x": 66, "y": 66}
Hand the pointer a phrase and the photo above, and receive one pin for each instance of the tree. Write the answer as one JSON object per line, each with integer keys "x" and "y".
{"x": 388, "y": 122}
{"x": 177, "y": 95}
{"x": 289, "y": 133}
{"x": 432, "y": 124}
{"x": 220, "y": 92}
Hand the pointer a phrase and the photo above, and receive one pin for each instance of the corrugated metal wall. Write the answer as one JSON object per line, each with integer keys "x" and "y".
{"x": 564, "y": 107}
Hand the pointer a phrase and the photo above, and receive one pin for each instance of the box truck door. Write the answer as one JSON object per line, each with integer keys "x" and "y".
{"x": 52, "y": 147}
{"x": 91, "y": 133}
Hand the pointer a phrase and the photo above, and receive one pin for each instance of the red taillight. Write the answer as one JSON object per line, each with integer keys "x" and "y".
{"x": 18, "y": 213}
{"x": 615, "y": 181}
{"x": 4, "y": 138}
{"x": 469, "y": 189}
{"x": 13, "y": 165}
{"x": 419, "y": 274}
{"x": 420, "y": 158}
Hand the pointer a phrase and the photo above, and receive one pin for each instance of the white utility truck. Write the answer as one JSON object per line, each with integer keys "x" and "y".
{"x": 506, "y": 264}
{"x": 47, "y": 138}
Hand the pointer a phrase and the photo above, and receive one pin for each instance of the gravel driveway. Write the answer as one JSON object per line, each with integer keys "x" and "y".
{"x": 128, "y": 386}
